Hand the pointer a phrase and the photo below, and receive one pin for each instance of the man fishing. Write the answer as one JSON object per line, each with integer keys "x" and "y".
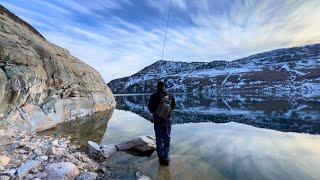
{"x": 160, "y": 105}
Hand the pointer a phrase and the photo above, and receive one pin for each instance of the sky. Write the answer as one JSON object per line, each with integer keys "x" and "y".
{"x": 120, "y": 37}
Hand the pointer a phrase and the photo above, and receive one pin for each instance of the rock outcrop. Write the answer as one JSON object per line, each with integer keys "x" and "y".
{"x": 41, "y": 84}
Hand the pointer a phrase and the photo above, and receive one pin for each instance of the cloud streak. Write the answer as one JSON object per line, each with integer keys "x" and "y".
{"x": 120, "y": 37}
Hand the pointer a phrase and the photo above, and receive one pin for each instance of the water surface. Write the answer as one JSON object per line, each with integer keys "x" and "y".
{"x": 243, "y": 136}
{"x": 224, "y": 151}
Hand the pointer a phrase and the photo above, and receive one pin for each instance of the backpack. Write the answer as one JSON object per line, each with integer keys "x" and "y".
{"x": 164, "y": 107}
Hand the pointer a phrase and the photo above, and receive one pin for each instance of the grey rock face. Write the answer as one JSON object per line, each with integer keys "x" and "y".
{"x": 41, "y": 84}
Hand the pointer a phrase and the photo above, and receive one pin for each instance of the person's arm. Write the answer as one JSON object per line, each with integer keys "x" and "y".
{"x": 151, "y": 105}
{"x": 173, "y": 103}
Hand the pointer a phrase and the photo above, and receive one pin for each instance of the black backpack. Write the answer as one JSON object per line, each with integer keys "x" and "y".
{"x": 164, "y": 108}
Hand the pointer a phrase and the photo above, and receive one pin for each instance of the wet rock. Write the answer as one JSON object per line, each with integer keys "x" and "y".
{"x": 143, "y": 177}
{"x": 27, "y": 167}
{"x": 139, "y": 176}
{"x": 4, "y": 160}
{"x": 142, "y": 145}
{"x": 94, "y": 150}
{"x": 87, "y": 176}
{"x": 108, "y": 150}
{"x": 63, "y": 170}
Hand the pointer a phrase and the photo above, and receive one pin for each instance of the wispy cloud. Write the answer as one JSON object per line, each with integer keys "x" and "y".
{"x": 120, "y": 37}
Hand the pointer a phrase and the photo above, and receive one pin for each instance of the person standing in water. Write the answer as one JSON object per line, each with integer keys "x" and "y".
{"x": 160, "y": 105}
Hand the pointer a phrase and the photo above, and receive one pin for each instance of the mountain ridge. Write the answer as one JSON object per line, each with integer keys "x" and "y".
{"x": 285, "y": 65}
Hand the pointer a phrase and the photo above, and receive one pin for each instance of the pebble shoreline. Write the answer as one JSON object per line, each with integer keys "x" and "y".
{"x": 36, "y": 156}
{"x": 43, "y": 157}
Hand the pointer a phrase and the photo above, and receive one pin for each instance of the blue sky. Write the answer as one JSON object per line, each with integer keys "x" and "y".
{"x": 120, "y": 37}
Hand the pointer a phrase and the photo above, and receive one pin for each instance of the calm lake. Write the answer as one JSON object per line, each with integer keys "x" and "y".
{"x": 217, "y": 137}
{"x": 229, "y": 137}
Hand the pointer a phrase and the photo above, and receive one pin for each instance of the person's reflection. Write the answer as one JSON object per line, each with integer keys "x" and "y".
{"x": 164, "y": 173}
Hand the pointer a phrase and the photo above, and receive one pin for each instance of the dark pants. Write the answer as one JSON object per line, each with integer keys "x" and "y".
{"x": 162, "y": 130}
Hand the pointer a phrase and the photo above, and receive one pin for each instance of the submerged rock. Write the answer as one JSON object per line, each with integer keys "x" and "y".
{"x": 143, "y": 177}
{"x": 41, "y": 84}
{"x": 142, "y": 145}
{"x": 63, "y": 170}
{"x": 139, "y": 176}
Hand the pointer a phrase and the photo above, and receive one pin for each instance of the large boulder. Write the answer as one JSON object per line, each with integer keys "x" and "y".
{"x": 41, "y": 84}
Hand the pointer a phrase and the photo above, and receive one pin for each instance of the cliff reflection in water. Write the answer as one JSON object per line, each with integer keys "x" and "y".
{"x": 288, "y": 114}
{"x": 82, "y": 130}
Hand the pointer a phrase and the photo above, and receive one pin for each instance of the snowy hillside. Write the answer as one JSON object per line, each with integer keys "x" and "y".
{"x": 292, "y": 70}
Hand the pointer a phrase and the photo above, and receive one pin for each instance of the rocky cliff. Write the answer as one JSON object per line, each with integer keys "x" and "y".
{"x": 41, "y": 84}
{"x": 291, "y": 70}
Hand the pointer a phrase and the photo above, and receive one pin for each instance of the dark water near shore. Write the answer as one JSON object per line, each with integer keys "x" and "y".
{"x": 216, "y": 137}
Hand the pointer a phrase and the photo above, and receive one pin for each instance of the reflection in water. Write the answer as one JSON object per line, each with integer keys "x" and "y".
{"x": 164, "y": 173}
{"x": 82, "y": 130}
{"x": 288, "y": 114}
{"x": 222, "y": 151}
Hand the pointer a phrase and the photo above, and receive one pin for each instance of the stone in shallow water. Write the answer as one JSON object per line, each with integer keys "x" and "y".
{"x": 142, "y": 145}
{"x": 144, "y": 177}
{"x": 108, "y": 150}
{"x": 139, "y": 176}
{"x": 63, "y": 170}
{"x": 94, "y": 150}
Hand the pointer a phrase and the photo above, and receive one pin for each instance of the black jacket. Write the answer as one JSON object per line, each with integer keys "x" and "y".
{"x": 155, "y": 99}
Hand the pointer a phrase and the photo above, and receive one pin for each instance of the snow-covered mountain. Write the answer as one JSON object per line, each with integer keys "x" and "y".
{"x": 282, "y": 71}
